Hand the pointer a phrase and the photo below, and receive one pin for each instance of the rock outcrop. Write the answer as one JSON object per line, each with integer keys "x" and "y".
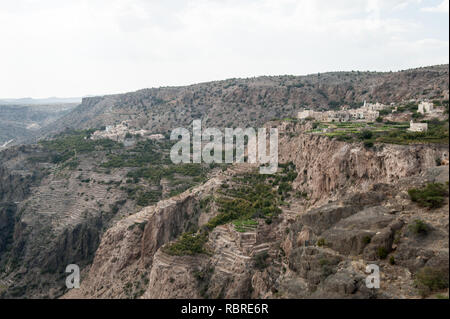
{"x": 328, "y": 168}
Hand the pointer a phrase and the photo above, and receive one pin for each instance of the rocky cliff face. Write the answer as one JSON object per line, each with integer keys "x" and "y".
{"x": 356, "y": 212}
{"x": 127, "y": 251}
{"x": 328, "y": 168}
{"x": 46, "y": 223}
{"x": 17, "y": 177}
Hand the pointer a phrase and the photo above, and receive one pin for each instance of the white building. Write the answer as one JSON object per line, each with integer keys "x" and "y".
{"x": 425, "y": 107}
{"x": 120, "y": 132}
{"x": 373, "y": 107}
{"x": 362, "y": 114}
{"x": 417, "y": 127}
{"x": 305, "y": 114}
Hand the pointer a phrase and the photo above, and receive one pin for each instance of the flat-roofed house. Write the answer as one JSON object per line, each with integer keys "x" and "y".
{"x": 418, "y": 127}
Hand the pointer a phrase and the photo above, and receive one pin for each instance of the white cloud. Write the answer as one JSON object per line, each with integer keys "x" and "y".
{"x": 443, "y": 7}
{"x": 74, "y": 48}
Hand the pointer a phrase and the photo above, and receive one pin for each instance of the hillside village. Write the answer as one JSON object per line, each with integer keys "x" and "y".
{"x": 412, "y": 116}
{"x": 367, "y": 113}
{"x": 123, "y": 132}
{"x": 370, "y": 112}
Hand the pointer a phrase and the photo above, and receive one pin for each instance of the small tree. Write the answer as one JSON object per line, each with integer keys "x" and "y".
{"x": 366, "y": 134}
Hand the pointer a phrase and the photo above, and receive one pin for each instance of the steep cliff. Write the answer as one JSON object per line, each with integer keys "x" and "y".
{"x": 126, "y": 254}
{"x": 348, "y": 208}
{"x": 328, "y": 168}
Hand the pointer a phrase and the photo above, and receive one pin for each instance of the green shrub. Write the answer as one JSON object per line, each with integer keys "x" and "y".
{"x": 322, "y": 242}
{"x": 366, "y": 134}
{"x": 188, "y": 244}
{"x": 432, "y": 196}
{"x": 430, "y": 279}
{"x": 260, "y": 260}
{"x": 251, "y": 196}
{"x": 284, "y": 188}
{"x": 326, "y": 267}
{"x": 418, "y": 227}
{"x": 245, "y": 225}
{"x": 245, "y": 202}
{"x": 368, "y": 144}
{"x": 367, "y": 239}
{"x": 146, "y": 198}
{"x": 392, "y": 260}
{"x": 67, "y": 144}
{"x": 438, "y": 161}
{"x": 382, "y": 252}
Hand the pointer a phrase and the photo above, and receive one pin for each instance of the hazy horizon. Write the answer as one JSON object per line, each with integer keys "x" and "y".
{"x": 113, "y": 93}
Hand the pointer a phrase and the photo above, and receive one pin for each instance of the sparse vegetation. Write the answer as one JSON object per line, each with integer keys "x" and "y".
{"x": 430, "y": 279}
{"x": 246, "y": 202}
{"x": 188, "y": 244}
{"x": 419, "y": 227}
{"x": 392, "y": 260}
{"x": 250, "y": 197}
{"x": 203, "y": 277}
{"x": 432, "y": 196}
{"x": 321, "y": 242}
{"x": 366, "y": 134}
{"x": 385, "y": 132}
{"x": 68, "y": 144}
{"x": 367, "y": 239}
{"x": 326, "y": 267}
{"x": 260, "y": 260}
{"x": 245, "y": 225}
{"x": 382, "y": 252}
{"x": 253, "y": 197}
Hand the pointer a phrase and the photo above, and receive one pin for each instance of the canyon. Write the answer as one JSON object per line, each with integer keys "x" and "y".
{"x": 366, "y": 198}
{"x": 139, "y": 226}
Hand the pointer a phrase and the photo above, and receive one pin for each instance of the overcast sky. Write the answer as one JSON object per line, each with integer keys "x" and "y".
{"x": 90, "y": 47}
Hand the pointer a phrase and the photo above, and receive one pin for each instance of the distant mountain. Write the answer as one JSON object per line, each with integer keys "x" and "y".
{"x": 22, "y": 122}
{"x": 31, "y": 101}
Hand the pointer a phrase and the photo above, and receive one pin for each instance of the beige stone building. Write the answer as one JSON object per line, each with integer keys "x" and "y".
{"x": 366, "y": 113}
{"x": 418, "y": 127}
{"x": 425, "y": 107}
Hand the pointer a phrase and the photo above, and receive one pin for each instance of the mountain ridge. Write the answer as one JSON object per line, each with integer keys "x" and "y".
{"x": 253, "y": 101}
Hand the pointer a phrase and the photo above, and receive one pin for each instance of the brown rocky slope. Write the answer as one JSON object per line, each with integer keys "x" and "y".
{"x": 254, "y": 101}
{"x": 357, "y": 212}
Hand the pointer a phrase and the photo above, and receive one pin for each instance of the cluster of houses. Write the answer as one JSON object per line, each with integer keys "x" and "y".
{"x": 425, "y": 108}
{"x": 428, "y": 109}
{"x": 121, "y": 132}
{"x": 367, "y": 113}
